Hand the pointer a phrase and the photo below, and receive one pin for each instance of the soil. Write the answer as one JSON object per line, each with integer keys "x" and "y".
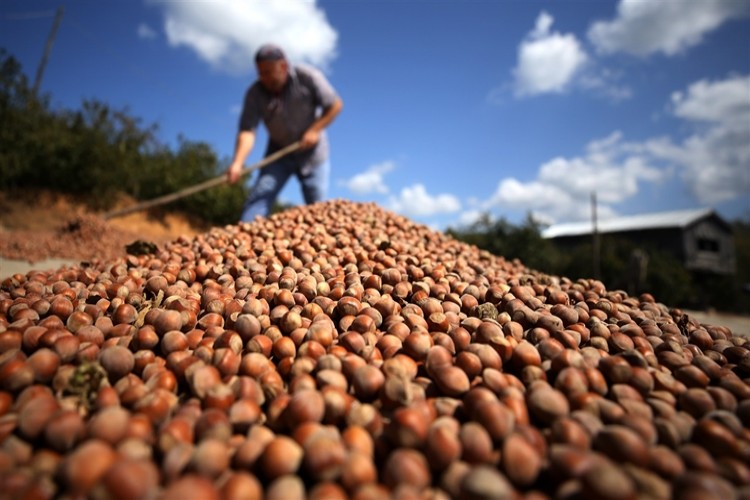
{"x": 39, "y": 225}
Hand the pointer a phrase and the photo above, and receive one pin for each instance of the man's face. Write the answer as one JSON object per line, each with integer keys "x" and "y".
{"x": 273, "y": 74}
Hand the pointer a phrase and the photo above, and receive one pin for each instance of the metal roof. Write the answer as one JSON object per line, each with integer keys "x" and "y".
{"x": 677, "y": 218}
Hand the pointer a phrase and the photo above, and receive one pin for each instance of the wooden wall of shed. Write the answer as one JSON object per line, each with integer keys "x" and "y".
{"x": 683, "y": 244}
{"x": 709, "y": 246}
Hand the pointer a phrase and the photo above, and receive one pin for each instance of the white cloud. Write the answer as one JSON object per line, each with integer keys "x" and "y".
{"x": 469, "y": 217}
{"x": 371, "y": 180}
{"x": 146, "y": 32}
{"x": 547, "y": 61}
{"x": 670, "y": 27}
{"x": 226, "y": 33}
{"x": 414, "y": 201}
{"x": 713, "y": 161}
{"x": 534, "y": 194}
{"x": 562, "y": 190}
{"x": 720, "y": 102}
{"x": 716, "y": 158}
{"x": 605, "y": 84}
{"x": 609, "y": 168}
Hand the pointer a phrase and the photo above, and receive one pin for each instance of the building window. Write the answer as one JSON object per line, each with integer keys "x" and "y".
{"x": 708, "y": 245}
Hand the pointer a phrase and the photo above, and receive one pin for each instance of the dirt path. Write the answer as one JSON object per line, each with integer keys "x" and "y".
{"x": 9, "y": 267}
{"x": 739, "y": 324}
{"x": 35, "y": 226}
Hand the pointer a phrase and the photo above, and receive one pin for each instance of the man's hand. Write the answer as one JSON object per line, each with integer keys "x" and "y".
{"x": 242, "y": 148}
{"x": 309, "y": 139}
{"x": 233, "y": 174}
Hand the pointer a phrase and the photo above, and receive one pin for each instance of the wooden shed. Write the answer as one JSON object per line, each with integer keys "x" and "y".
{"x": 699, "y": 238}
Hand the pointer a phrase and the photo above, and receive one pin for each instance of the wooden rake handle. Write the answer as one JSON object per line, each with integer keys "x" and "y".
{"x": 216, "y": 181}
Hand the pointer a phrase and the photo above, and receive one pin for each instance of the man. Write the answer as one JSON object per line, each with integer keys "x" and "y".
{"x": 296, "y": 103}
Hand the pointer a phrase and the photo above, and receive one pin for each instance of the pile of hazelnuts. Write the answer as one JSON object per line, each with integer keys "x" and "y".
{"x": 339, "y": 350}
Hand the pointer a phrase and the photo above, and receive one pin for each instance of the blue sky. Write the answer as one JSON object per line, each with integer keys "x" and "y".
{"x": 451, "y": 108}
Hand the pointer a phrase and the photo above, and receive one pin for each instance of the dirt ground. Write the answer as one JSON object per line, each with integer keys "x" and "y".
{"x": 46, "y": 231}
{"x": 738, "y": 323}
{"x": 37, "y": 226}
{"x": 44, "y": 211}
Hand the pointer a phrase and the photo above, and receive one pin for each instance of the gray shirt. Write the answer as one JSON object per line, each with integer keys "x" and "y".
{"x": 289, "y": 114}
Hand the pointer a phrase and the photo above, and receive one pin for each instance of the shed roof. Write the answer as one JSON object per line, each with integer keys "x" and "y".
{"x": 674, "y": 219}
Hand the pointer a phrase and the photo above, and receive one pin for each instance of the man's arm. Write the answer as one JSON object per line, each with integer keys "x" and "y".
{"x": 243, "y": 147}
{"x": 312, "y": 135}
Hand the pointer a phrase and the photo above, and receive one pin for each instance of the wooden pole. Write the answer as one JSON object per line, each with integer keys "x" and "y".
{"x": 595, "y": 243}
{"x": 47, "y": 50}
{"x": 216, "y": 181}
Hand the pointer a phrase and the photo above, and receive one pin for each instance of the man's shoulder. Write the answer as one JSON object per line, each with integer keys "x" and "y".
{"x": 305, "y": 72}
{"x": 304, "y": 68}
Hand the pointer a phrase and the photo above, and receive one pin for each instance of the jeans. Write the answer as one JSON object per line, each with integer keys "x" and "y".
{"x": 273, "y": 177}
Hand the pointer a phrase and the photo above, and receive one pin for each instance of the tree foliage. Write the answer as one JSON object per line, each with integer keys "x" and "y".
{"x": 665, "y": 277}
{"x": 101, "y": 153}
{"x": 522, "y": 242}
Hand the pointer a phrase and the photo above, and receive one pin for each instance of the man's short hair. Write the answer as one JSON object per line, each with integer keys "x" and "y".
{"x": 269, "y": 52}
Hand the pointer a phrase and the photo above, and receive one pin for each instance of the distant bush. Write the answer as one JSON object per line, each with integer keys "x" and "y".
{"x": 523, "y": 242}
{"x": 665, "y": 278}
{"x": 99, "y": 153}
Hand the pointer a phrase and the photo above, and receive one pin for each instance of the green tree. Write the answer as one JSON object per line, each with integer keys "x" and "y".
{"x": 197, "y": 162}
{"x": 523, "y": 242}
{"x": 101, "y": 153}
{"x": 20, "y": 113}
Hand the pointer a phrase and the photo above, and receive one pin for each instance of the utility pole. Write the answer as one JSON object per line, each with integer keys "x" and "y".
{"x": 595, "y": 243}
{"x": 47, "y": 50}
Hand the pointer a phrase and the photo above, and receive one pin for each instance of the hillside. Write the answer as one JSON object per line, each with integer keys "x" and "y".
{"x": 39, "y": 224}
